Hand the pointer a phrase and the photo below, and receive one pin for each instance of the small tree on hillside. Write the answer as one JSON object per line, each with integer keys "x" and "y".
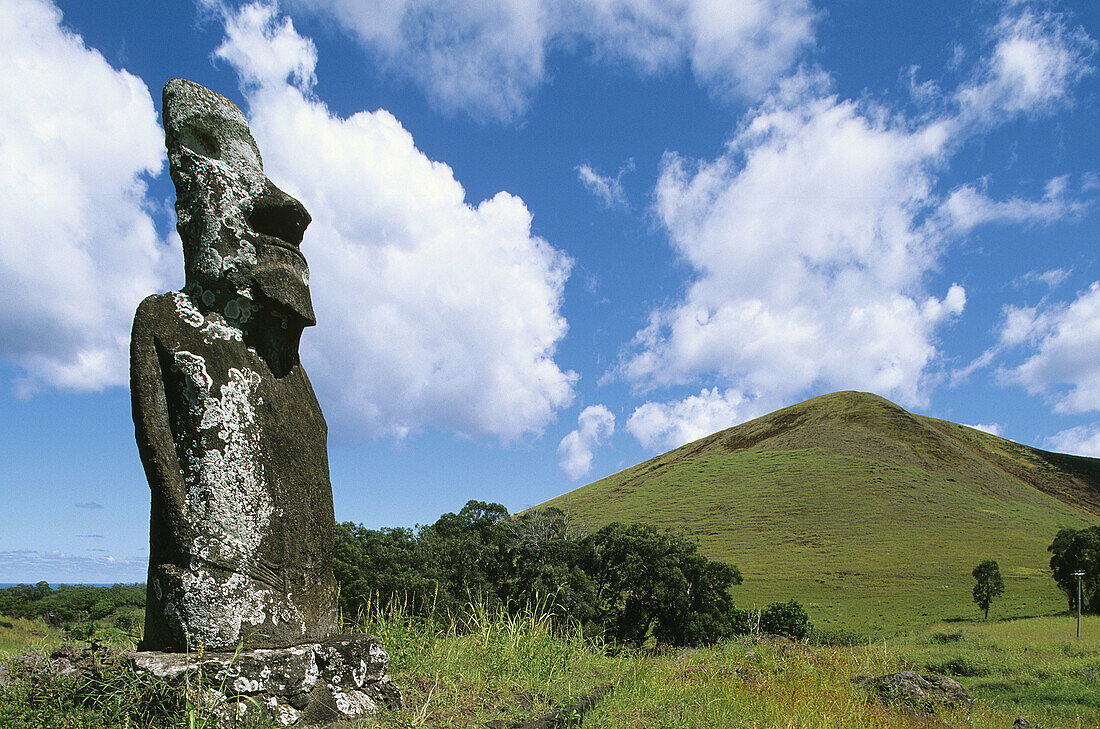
{"x": 1076, "y": 550}
{"x": 989, "y": 584}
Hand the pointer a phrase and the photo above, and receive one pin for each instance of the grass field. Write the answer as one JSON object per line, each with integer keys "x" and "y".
{"x": 26, "y": 635}
{"x": 1036, "y": 666}
{"x": 871, "y": 517}
{"x": 490, "y": 666}
{"x": 513, "y": 671}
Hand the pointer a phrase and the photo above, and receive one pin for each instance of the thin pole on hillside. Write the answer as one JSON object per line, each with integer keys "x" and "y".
{"x": 1079, "y": 574}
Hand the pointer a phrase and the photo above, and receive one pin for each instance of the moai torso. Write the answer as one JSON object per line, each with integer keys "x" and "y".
{"x": 228, "y": 427}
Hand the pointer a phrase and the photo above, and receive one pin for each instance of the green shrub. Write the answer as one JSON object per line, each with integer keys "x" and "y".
{"x": 744, "y": 621}
{"x": 1076, "y": 550}
{"x": 786, "y": 618}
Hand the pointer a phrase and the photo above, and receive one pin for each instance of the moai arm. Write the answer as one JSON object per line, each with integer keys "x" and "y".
{"x": 156, "y": 443}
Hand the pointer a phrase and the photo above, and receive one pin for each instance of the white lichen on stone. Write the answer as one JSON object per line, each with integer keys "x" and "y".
{"x": 352, "y": 703}
{"x": 378, "y": 653}
{"x": 359, "y": 674}
{"x": 313, "y": 671}
{"x": 196, "y": 380}
{"x": 223, "y": 210}
{"x": 245, "y": 685}
{"x": 212, "y": 325}
{"x": 216, "y": 329}
{"x": 283, "y": 713}
{"x": 187, "y": 310}
{"x": 226, "y": 500}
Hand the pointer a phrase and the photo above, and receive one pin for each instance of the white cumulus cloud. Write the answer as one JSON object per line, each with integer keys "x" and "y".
{"x": 432, "y": 311}
{"x": 575, "y": 452}
{"x": 1083, "y": 440}
{"x": 968, "y": 207}
{"x": 808, "y": 251}
{"x": 1034, "y": 61}
{"x": 663, "y": 426}
{"x": 486, "y": 57}
{"x": 1064, "y": 340}
{"x": 80, "y": 250}
{"x": 991, "y": 428}
{"x": 813, "y": 235}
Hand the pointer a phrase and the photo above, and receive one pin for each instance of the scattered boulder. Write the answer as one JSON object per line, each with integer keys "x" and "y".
{"x": 1021, "y": 723}
{"x": 313, "y": 684}
{"x": 916, "y": 691}
{"x": 64, "y": 660}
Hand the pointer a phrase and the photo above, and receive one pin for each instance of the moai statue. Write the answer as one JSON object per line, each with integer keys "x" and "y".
{"x": 229, "y": 430}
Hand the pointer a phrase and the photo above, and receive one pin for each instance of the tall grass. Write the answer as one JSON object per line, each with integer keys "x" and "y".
{"x": 25, "y": 634}
{"x": 484, "y": 664}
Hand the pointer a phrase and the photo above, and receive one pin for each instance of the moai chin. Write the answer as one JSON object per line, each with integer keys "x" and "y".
{"x": 228, "y": 427}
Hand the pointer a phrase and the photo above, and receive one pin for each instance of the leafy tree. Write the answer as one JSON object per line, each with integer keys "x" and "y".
{"x": 546, "y": 551}
{"x": 628, "y": 583}
{"x": 785, "y": 618}
{"x": 1076, "y": 550}
{"x": 652, "y": 583}
{"x": 378, "y": 564}
{"x": 466, "y": 555}
{"x": 988, "y": 585}
{"x": 458, "y": 559}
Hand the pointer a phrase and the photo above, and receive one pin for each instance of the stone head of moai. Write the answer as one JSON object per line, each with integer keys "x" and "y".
{"x": 241, "y": 234}
{"x": 232, "y": 439}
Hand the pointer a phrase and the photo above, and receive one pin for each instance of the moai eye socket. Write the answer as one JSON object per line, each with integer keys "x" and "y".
{"x": 200, "y": 142}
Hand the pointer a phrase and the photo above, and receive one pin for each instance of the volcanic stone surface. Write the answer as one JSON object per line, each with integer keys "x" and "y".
{"x": 312, "y": 684}
{"x": 232, "y": 439}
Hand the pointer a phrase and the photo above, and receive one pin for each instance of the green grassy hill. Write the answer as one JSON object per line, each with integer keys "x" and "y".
{"x": 870, "y": 516}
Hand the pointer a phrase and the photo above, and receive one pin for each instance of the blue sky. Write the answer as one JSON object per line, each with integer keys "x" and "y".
{"x": 552, "y": 238}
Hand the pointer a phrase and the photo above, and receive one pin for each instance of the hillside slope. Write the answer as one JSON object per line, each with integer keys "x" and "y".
{"x": 870, "y": 514}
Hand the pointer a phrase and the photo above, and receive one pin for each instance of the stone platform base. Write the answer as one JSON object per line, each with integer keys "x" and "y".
{"x": 312, "y": 684}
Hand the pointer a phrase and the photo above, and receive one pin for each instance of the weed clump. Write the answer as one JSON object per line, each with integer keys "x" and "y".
{"x": 93, "y": 689}
{"x": 944, "y": 638}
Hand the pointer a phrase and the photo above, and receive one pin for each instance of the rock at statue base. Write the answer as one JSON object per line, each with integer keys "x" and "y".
{"x": 312, "y": 684}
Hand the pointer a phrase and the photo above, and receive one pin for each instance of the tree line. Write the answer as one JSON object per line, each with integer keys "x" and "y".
{"x": 628, "y": 583}
{"x": 75, "y": 607}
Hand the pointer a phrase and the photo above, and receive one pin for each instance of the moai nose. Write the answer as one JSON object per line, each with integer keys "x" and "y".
{"x": 279, "y": 215}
